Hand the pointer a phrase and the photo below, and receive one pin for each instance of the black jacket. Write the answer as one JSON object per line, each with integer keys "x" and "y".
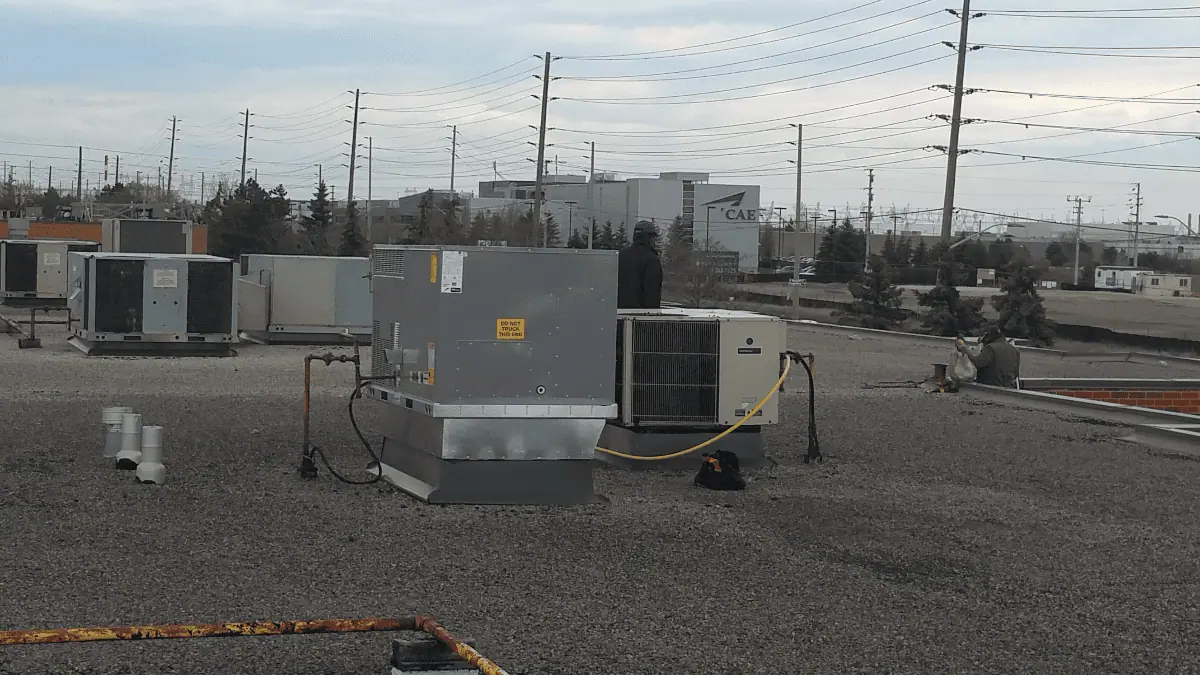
{"x": 639, "y": 278}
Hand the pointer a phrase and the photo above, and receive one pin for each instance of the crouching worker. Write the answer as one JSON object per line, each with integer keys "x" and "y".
{"x": 998, "y": 363}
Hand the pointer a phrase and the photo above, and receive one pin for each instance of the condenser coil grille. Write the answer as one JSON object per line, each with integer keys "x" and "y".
{"x": 119, "y": 298}
{"x": 209, "y": 297}
{"x": 675, "y": 372}
{"x": 20, "y": 267}
{"x": 388, "y": 262}
{"x": 379, "y": 342}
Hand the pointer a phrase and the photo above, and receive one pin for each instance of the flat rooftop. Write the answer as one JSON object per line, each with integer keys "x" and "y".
{"x": 942, "y": 534}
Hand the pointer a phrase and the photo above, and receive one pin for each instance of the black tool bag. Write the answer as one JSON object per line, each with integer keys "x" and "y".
{"x": 720, "y": 472}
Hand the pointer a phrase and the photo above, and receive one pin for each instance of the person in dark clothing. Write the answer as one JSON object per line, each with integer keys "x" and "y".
{"x": 998, "y": 362}
{"x": 639, "y": 271}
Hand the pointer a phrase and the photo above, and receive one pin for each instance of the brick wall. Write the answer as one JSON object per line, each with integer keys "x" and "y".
{"x": 1174, "y": 400}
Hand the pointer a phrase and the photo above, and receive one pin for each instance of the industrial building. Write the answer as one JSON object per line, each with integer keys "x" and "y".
{"x": 726, "y": 216}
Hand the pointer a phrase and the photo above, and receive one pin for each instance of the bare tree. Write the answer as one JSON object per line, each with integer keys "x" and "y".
{"x": 694, "y": 276}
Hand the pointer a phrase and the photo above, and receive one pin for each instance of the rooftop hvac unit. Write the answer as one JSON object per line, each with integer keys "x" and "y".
{"x": 495, "y": 366}
{"x": 154, "y": 303}
{"x": 684, "y": 375}
{"x": 34, "y": 271}
{"x": 304, "y": 299}
{"x": 146, "y": 236}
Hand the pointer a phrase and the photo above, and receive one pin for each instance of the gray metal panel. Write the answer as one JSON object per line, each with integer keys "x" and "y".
{"x": 75, "y": 286}
{"x": 566, "y": 299}
{"x": 152, "y": 236}
{"x": 303, "y": 291}
{"x": 252, "y": 303}
{"x": 353, "y": 304}
{"x": 52, "y": 266}
{"x": 165, "y": 287}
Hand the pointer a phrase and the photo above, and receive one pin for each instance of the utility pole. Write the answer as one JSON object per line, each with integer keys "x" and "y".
{"x": 591, "y": 195}
{"x": 370, "y": 179}
{"x": 453, "y": 153}
{"x": 955, "y": 122}
{"x": 118, "y": 171}
{"x": 538, "y": 230}
{"x": 816, "y": 218}
{"x": 171, "y": 160}
{"x": 799, "y": 215}
{"x": 1137, "y": 219}
{"x": 1078, "y": 229}
{"x": 245, "y": 141}
{"x": 31, "y": 174}
{"x": 79, "y": 178}
{"x": 353, "y": 162}
{"x": 870, "y": 214}
{"x": 50, "y": 179}
{"x": 201, "y": 189}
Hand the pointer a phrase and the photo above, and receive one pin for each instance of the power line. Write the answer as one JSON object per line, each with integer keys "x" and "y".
{"x": 674, "y": 51}
{"x": 672, "y": 98}
{"x": 666, "y": 76}
{"x": 419, "y": 92}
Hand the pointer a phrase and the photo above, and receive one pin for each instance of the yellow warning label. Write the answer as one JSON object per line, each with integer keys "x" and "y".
{"x": 431, "y": 376}
{"x": 433, "y": 268}
{"x": 510, "y": 329}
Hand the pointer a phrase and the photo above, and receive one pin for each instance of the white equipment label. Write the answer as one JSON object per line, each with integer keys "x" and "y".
{"x": 452, "y": 271}
{"x": 51, "y": 259}
{"x": 166, "y": 278}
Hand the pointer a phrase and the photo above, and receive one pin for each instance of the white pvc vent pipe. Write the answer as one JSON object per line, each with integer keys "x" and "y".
{"x": 131, "y": 442}
{"x": 111, "y": 417}
{"x": 150, "y": 469}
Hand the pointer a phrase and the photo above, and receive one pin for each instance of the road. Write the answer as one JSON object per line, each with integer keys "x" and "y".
{"x": 1125, "y": 313}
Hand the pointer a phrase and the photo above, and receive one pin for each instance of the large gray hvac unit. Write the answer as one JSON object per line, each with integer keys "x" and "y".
{"x": 34, "y": 271}
{"x": 157, "y": 303}
{"x": 121, "y": 235}
{"x": 498, "y": 366}
{"x": 304, "y": 299}
{"x": 684, "y": 375}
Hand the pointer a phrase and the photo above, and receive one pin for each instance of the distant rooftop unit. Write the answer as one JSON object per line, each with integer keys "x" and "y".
{"x": 685, "y": 176}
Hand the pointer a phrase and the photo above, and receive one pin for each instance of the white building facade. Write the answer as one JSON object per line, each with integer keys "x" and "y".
{"x": 726, "y": 216}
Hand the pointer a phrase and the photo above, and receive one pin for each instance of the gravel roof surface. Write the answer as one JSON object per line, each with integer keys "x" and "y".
{"x": 941, "y": 535}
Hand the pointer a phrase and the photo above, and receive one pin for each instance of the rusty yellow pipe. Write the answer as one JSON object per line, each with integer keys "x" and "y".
{"x": 41, "y": 636}
{"x": 425, "y": 624}
{"x": 430, "y": 625}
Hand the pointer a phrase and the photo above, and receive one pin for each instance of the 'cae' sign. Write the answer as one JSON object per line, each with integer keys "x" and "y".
{"x": 731, "y": 207}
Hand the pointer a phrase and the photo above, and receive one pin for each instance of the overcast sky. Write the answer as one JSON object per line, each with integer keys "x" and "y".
{"x": 109, "y": 74}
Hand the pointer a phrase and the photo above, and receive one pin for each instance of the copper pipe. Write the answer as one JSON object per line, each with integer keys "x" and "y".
{"x": 41, "y": 636}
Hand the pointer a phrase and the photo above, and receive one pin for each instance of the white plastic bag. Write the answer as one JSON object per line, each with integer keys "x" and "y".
{"x": 961, "y": 369}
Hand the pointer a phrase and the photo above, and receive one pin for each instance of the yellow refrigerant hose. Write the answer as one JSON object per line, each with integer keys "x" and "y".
{"x": 787, "y": 368}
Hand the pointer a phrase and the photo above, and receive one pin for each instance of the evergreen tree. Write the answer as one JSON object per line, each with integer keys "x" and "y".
{"x": 621, "y": 236}
{"x": 251, "y": 220}
{"x": 841, "y": 252}
{"x": 947, "y": 313}
{"x": 877, "y": 301}
{"x": 606, "y": 236}
{"x": 904, "y": 252}
{"x": 1000, "y": 253}
{"x": 890, "y": 252}
{"x": 1022, "y": 314}
{"x": 353, "y": 243}
{"x": 478, "y": 230}
{"x": 920, "y": 254}
{"x": 677, "y": 233}
{"x": 553, "y": 233}
{"x": 1056, "y": 255}
{"x": 577, "y": 240}
{"x": 316, "y": 224}
{"x": 421, "y": 232}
